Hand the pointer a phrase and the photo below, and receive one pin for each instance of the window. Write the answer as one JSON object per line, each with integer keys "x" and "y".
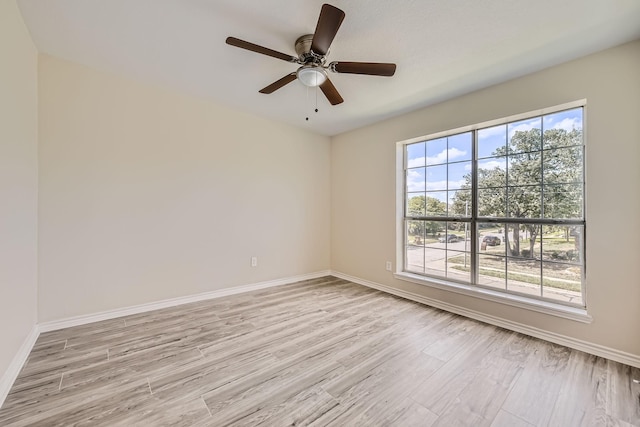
{"x": 499, "y": 207}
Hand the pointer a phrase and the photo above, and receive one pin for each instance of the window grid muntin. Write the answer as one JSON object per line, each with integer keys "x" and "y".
{"x": 541, "y": 221}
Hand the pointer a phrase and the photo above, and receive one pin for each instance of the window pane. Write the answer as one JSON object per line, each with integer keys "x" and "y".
{"x": 563, "y": 128}
{"x": 459, "y": 265}
{"x": 416, "y": 179}
{"x": 492, "y": 239}
{"x": 562, "y": 282}
{"x": 492, "y": 271}
{"x": 433, "y": 231}
{"x": 523, "y": 241}
{"x": 436, "y": 203}
{"x": 562, "y": 243}
{"x": 525, "y": 135}
{"x": 563, "y": 165}
{"x": 563, "y": 201}
{"x": 524, "y": 202}
{"x": 492, "y": 141}
{"x": 415, "y": 233}
{"x": 492, "y": 199}
{"x": 435, "y": 261}
{"x": 492, "y": 202}
{"x": 455, "y": 236}
{"x": 437, "y": 151}
{"x": 492, "y": 172}
{"x": 459, "y": 175}
{"x": 524, "y": 169}
{"x": 523, "y": 276}
{"x": 533, "y": 241}
{"x": 460, "y": 203}
{"x": 415, "y": 204}
{"x": 414, "y": 259}
{"x": 437, "y": 178}
{"x": 460, "y": 147}
{"x": 415, "y": 155}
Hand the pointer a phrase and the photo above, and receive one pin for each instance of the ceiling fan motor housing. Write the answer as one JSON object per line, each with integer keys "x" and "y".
{"x": 303, "y": 49}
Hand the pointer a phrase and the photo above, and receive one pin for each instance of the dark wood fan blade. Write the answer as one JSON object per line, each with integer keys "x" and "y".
{"x": 331, "y": 92}
{"x": 328, "y": 24}
{"x": 278, "y": 84}
{"x": 260, "y": 49}
{"x": 370, "y": 68}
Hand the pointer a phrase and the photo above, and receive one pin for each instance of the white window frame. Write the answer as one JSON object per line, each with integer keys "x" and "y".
{"x": 543, "y": 306}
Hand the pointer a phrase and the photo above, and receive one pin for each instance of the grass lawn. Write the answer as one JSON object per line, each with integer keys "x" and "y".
{"x": 555, "y": 275}
{"x": 548, "y": 282}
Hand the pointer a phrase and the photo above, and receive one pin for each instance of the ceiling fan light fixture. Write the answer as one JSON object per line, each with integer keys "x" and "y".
{"x": 312, "y": 76}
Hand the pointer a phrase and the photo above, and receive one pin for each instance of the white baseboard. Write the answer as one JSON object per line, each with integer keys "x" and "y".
{"x": 587, "y": 347}
{"x": 18, "y": 361}
{"x": 142, "y": 308}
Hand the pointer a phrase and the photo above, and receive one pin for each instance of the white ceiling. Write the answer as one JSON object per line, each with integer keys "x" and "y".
{"x": 443, "y": 48}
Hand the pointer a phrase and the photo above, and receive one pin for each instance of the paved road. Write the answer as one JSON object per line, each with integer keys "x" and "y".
{"x": 416, "y": 257}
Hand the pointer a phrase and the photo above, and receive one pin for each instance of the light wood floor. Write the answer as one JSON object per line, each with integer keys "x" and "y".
{"x": 320, "y": 352}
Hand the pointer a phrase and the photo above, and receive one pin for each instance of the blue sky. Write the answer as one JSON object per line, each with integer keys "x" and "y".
{"x": 426, "y": 161}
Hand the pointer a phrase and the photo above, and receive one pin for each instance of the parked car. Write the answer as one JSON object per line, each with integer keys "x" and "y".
{"x": 491, "y": 240}
{"x": 451, "y": 238}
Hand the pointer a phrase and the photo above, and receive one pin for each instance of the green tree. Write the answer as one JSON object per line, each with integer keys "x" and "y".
{"x": 558, "y": 168}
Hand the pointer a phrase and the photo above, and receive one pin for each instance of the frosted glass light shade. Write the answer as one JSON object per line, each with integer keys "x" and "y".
{"x": 311, "y": 76}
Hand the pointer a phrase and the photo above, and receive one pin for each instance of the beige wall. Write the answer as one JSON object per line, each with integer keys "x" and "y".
{"x": 146, "y": 194}
{"x": 363, "y": 189}
{"x": 18, "y": 182}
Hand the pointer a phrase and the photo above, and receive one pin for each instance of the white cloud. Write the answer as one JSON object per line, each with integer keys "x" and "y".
{"x": 416, "y": 184}
{"x": 439, "y": 158}
{"x": 569, "y": 124}
{"x": 491, "y": 164}
{"x": 442, "y": 185}
{"x": 415, "y": 180}
{"x": 457, "y": 184}
{"x": 436, "y": 185}
{"x": 418, "y": 161}
{"x": 490, "y": 132}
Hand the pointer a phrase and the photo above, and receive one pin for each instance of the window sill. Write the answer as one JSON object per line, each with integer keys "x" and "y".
{"x": 572, "y": 313}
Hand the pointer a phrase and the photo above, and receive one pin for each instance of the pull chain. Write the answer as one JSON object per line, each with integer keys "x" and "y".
{"x": 316, "y": 100}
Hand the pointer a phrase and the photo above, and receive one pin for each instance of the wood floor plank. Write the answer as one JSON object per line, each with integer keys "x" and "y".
{"x": 178, "y": 413}
{"x": 623, "y": 397}
{"x": 482, "y": 398}
{"x": 410, "y": 414}
{"x": 583, "y": 396}
{"x": 300, "y": 410}
{"x": 447, "y": 342}
{"x": 506, "y": 419}
{"x": 444, "y": 386}
{"x": 377, "y": 395}
{"x": 321, "y": 352}
{"x": 534, "y": 395}
{"x": 235, "y": 404}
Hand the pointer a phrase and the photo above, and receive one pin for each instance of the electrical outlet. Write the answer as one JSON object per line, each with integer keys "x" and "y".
{"x": 388, "y": 266}
{"x": 254, "y": 261}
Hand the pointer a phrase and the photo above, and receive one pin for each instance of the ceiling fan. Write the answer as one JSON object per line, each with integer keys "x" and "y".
{"x": 312, "y": 50}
